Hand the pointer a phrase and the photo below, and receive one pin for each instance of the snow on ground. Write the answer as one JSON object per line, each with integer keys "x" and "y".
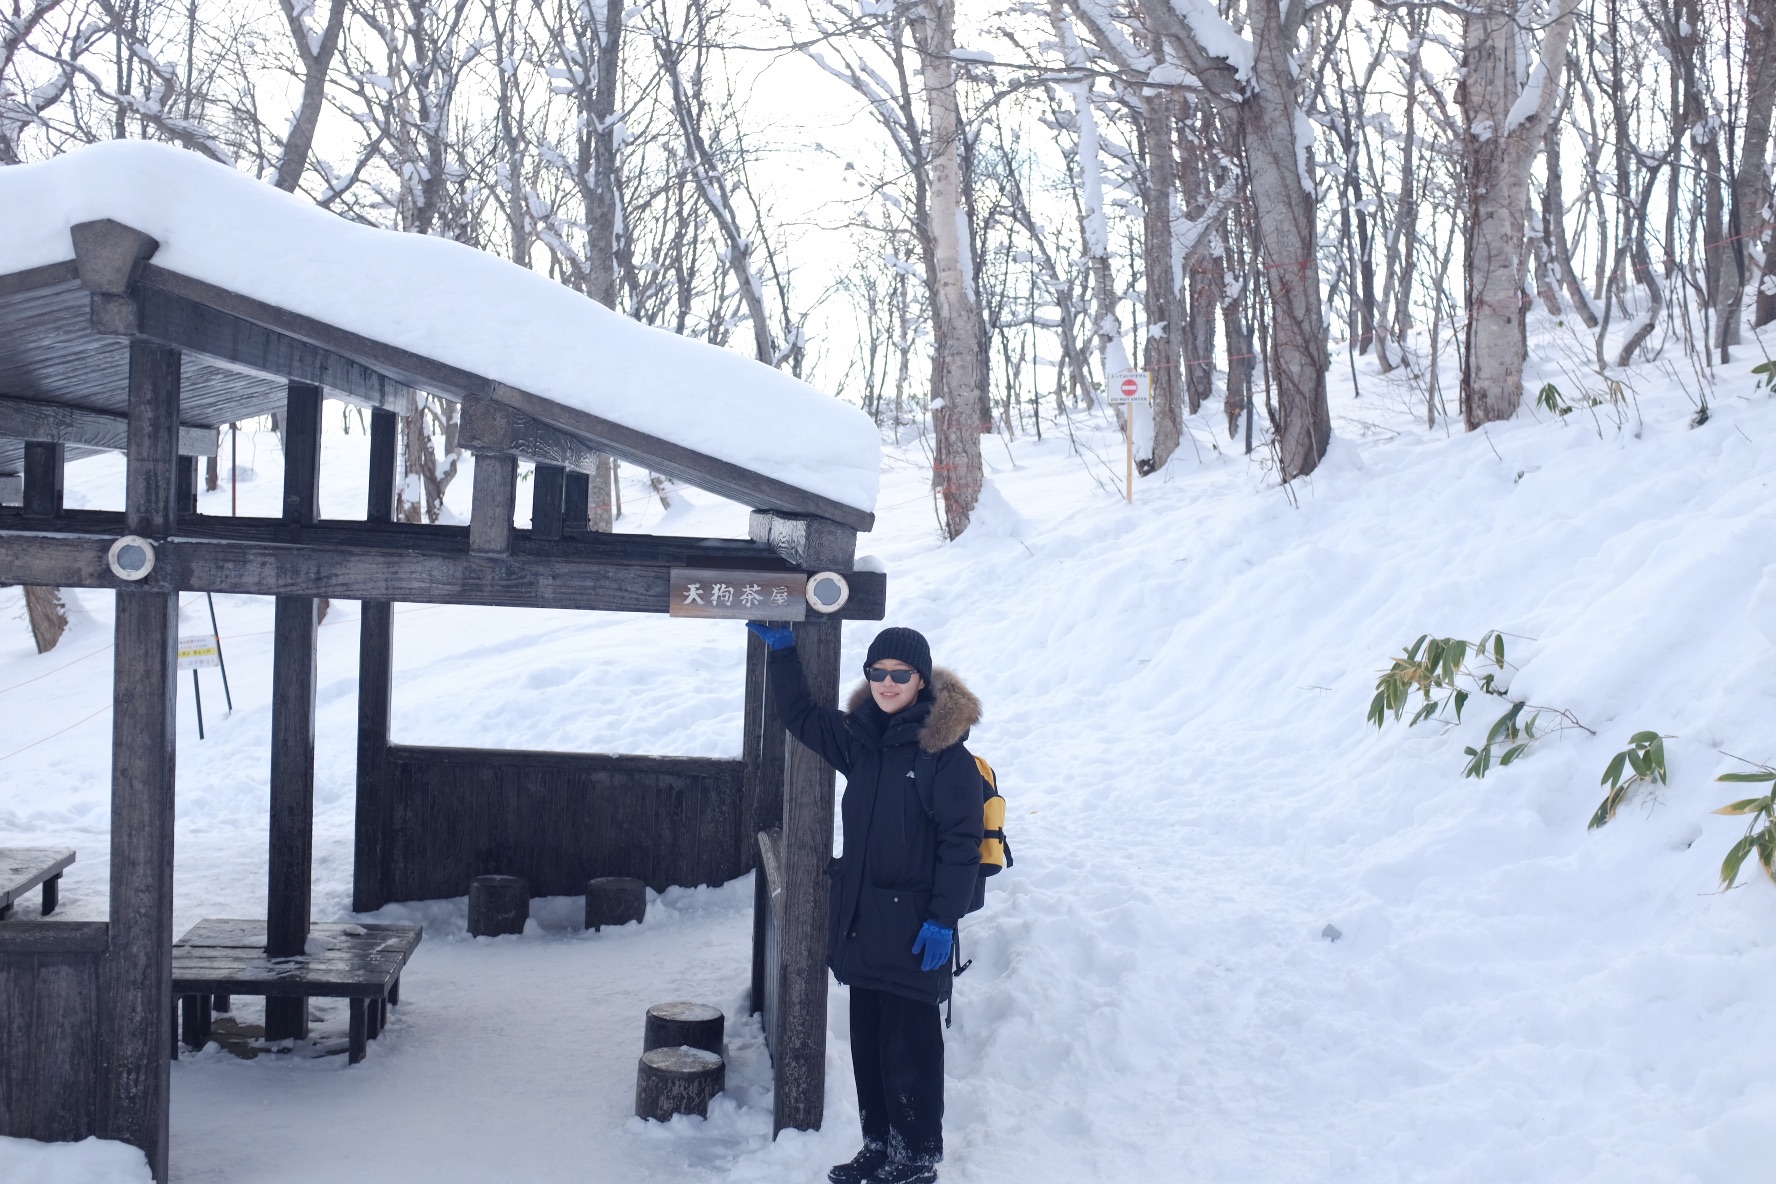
{"x": 1175, "y": 695}
{"x": 445, "y": 301}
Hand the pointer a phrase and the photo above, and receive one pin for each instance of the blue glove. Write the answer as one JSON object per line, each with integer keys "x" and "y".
{"x": 777, "y": 637}
{"x": 935, "y": 941}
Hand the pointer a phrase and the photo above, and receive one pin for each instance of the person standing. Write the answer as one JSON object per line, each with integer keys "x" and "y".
{"x": 905, "y": 878}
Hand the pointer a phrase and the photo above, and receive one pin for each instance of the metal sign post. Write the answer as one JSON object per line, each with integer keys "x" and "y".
{"x": 1128, "y": 388}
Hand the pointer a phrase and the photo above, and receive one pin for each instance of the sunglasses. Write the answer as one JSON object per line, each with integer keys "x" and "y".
{"x": 901, "y": 677}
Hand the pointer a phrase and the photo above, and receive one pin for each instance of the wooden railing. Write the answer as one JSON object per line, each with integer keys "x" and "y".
{"x": 558, "y": 819}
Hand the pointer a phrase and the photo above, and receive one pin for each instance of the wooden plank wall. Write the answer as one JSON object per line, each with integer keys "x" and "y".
{"x": 558, "y": 820}
{"x": 49, "y": 1005}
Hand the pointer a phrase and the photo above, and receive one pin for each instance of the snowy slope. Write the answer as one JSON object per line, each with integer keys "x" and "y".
{"x": 445, "y": 301}
{"x": 1175, "y": 695}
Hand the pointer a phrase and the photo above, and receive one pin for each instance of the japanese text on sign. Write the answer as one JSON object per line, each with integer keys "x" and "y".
{"x": 198, "y": 652}
{"x": 739, "y": 595}
{"x": 1130, "y": 386}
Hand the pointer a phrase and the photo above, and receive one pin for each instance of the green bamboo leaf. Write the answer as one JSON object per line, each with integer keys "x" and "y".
{"x": 1498, "y": 648}
{"x": 1612, "y": 774}
{"x": 1512, "y": 754}
{"x": 1643, "y": 738}
{"x": 1746, "y": 806}
{"x": 1765, "y": 776}
{"x": 1735, "y": 858}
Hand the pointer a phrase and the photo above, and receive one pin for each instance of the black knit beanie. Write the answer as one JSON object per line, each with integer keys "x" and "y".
{"x": 903, "y": 645}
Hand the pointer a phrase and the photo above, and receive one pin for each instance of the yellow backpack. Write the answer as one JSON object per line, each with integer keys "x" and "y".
{"x": 995, "y": 850}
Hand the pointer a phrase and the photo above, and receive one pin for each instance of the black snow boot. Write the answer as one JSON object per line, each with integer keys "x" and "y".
{"x": 865, "y": 1164}
{"x": 905, "y": 1171}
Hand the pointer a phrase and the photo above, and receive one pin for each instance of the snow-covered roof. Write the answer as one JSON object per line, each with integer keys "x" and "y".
{"x": 443, "y": 301}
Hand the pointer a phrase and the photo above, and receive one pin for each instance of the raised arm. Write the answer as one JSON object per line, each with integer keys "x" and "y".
{"x": 820, "y": 728}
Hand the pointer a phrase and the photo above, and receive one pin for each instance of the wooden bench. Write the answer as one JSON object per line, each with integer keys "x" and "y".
{"x": 24, "y": 868}
{"x": 362, "y": 964}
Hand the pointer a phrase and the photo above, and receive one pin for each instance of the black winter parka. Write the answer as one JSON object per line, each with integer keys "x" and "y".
{"x": 901, "y": 866}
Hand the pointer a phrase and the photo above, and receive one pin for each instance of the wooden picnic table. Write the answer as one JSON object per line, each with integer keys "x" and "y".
{"x": 24, "y": 868}
{"x": 361, "y": 963}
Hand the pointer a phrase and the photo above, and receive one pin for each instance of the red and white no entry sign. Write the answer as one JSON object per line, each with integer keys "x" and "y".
{"x": 1128, "y": 387}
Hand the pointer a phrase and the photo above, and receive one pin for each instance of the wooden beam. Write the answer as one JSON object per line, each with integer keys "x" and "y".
{"x": 576, "y": 502}
{"x": 729, "y": 480}
{"x": 108, "y": 256}
{"x": 237, "y": 343}
{"x": 799, "y": 1096}
{"x": 302, "y": 454}
{"x": 136, "y": 979}
{"x": 547, "y": 501}
{"x": 58, "y": 423}
{"x": 402, "y": 367}
{"x": 44, "y": 464}
{"x": 639, "y": 584}
{"x": 490, "y": 426}
{"x": 490, "y": 512}
{"x": 384, "y": 427}
{"x": 289, "y": 882}
{"x": 814, "y": 544}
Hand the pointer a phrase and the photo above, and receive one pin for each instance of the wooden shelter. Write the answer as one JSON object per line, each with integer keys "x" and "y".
{"x": 108, "y": 350}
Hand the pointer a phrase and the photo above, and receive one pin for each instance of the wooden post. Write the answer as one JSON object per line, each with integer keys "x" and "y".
{"x": 577, "y": 495}
{"x": 44, "y": 466}
{"x": 384, "y": 427}
{"x": 136, "y": 982}
{"x": 761, "y": 793}
{"x": 302, "y": 454}
{"x": 289, "y": 879}
{"x": 187, "y": 496}
{"x": 547, "y": 501}
{"x": 490, "y": 514}
{"x": 800, "y": 1093}
{"x": 376, "y": 650}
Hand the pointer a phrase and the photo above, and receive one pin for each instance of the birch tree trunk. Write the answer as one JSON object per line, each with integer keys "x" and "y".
{"x": 1504, "y": 120}
{"x": 1752, "y": 214}
{"x": 1283, "y": 208}
{"x": 958, "y": 363}
{"x": 1161, "y": 353}
{"x": 1106, "y": 326}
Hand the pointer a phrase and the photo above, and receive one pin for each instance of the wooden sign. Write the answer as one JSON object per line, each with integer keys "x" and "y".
{"x": 739, "y": 595}
{"x": 199, "y": 651}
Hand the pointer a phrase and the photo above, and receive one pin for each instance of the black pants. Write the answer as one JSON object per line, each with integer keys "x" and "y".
{"x": 897, "y": 1055}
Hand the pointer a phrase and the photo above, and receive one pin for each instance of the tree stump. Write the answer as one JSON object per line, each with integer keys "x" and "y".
{"x": 498, "y": 904}
{"x": 679, "y": 1080}
{"x": 697, "y": 1025}
{"x": 614, "y": 900}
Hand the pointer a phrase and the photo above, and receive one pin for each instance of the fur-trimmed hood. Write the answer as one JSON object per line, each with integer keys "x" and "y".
{"x": 954, "y": 709}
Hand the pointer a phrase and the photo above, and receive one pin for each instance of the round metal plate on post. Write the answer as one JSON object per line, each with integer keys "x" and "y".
{"x": 131, "y": 557}
{"x": 828, "y": 591}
